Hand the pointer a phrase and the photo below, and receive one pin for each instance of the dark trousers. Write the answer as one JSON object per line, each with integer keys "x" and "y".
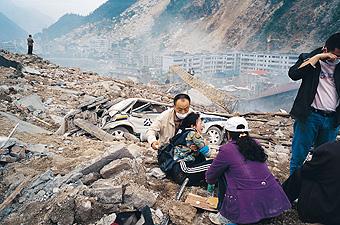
{"x": 313, "y": 132}
{"x": 221, "y": 189}
{"x": 196, "y": 173}
{"x": 292, "y": 186}
{"x": 30, "y": 50}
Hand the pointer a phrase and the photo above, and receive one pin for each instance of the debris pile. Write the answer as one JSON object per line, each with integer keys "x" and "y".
{"x": 86, "y": 176}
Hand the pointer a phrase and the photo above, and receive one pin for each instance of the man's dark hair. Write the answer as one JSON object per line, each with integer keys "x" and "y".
{"x": 29, "y": 35}
{"x": 181, "y": 96}
{"x": 333, "y": 42}
{"x": 189, "y": 120}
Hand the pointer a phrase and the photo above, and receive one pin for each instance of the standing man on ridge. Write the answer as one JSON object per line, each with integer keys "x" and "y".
{"x": 30, "y": 42}
{"x": 316, "y": 107}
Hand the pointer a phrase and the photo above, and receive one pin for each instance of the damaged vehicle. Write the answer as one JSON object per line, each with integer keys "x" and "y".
{"x": 135, "y": 115}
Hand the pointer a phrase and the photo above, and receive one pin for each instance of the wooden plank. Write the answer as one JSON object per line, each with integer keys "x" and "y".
{"x": 14, "y": 194}
{"x": 209, "y": 204}
{"x": 94, "y": 130}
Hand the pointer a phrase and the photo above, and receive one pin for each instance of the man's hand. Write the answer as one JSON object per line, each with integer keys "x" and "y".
{"x": 322, "y": 56}
{"x": 327, "y": 56}
{"x": 155, "y": 145}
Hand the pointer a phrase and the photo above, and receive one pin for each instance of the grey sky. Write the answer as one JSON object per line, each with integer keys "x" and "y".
{"x": 57, "y": 8}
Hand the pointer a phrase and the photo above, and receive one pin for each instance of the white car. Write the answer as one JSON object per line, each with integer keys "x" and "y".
{"x": 135, "y": 115}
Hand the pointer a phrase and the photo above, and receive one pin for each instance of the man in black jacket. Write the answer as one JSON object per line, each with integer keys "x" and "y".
{"x": 316, "y": 107}
{"x": 316, "y": 185}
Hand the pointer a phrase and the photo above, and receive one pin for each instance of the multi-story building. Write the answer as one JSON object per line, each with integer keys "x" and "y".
{"x": 229, "y": 63}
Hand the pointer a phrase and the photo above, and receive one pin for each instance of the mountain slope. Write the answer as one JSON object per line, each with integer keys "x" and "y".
{"x": 69, "y": 22}
{"x": 31, "y": 20}
{"x": 10, "y": 30}
{"x": 215, "y": 25}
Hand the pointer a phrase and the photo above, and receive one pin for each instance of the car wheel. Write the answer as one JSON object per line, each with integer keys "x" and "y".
{"x": 215, "y": 135}
{"x": 118, "y": 132}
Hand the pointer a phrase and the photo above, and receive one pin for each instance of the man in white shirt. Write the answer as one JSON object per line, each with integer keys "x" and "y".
{"x": 316, "y": 108}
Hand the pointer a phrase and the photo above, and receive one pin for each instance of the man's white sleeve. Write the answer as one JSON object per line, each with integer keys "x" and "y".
{"x": 154, "y": 129}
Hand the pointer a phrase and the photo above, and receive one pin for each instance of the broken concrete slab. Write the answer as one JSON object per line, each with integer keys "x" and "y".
{"x": 138, "y": 196}
{"x": 40, "y": 150}
{"x": 31, "y": 102}
{"x": 7, "y": 143}
{"x": 107, "y": 220}
{"x": 94, "y": 130}
{"x": 115, "y": 167}
{"x": 25, "y": 126}
{"x": 90, "y": 178}
{"x": 105, "y": 192}
{"x": 31, "y": 70}
{"x": 116, "y": 151}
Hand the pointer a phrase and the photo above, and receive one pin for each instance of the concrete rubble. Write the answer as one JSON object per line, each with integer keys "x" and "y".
{"x": 80, "y": 175}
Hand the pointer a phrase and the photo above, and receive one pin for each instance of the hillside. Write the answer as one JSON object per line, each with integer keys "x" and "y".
{"x": 215, "y": 25}
{"x": 10, "y": 30}
{"x": 69, "y": 22}
{"x": 29, "y": 19}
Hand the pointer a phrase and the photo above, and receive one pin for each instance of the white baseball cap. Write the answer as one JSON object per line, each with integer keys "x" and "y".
{"x": 233, "y": 122}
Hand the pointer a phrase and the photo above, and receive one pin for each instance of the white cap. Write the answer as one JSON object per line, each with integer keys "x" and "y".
{"x": 234, "y": 122}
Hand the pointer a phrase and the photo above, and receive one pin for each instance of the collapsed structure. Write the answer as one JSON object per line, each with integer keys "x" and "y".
{"x": 86, "y": 176}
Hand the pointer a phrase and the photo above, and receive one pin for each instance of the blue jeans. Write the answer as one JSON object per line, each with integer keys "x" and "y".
{"x": 313, "y": 132}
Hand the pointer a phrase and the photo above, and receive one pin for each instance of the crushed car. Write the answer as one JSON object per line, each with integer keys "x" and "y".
{"x": 135, "y": 115}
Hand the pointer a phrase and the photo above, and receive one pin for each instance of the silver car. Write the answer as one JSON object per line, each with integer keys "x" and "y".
{"x": 135, "y": 115}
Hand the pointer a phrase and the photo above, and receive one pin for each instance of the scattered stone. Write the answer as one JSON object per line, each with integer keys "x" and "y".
{"x": 158, "y": 173}
{"x": 105, "y": 192}
{"x": 90, "y": 178}
{"x": 32, "y": 102}
{"x": 107, "y": 220}
{"x": 139, "y": 196}
{"x": 115, "y": 167}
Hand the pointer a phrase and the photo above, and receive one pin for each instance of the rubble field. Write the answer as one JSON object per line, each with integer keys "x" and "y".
{"x": 83, "y": 177}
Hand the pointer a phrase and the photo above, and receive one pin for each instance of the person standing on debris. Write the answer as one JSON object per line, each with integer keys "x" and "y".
{"x": 167, "y": 123}
{"x": 30, "y": 42}
{"x": 250, "y": 192}
{"x": 316, "y": 185}
{"x": 316, "y": 108}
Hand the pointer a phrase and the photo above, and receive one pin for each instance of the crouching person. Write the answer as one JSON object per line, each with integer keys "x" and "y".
{"x": 316, "y": 185}
{"x": 252, "y": 193}
{"x": 189, "y": 152}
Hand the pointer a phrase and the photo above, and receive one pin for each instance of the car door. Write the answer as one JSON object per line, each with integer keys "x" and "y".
{"x": 147, "y": 113}
{"x": 137, "y": 117}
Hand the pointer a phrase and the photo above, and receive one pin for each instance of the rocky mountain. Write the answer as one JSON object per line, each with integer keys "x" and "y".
{"x": 69, "y": 22}
{"x": 215, "y": 25}
{"x": 29, "y": 19}
{"x": 10, "y": 30}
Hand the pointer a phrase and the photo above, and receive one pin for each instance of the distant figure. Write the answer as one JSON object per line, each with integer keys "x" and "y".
{"x": 191, "y": 71}
{"x": 30, "y": 42}
{"x": 316, "y": 109}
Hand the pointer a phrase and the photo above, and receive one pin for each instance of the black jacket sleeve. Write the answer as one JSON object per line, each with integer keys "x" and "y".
{"x": 296, "y": 73}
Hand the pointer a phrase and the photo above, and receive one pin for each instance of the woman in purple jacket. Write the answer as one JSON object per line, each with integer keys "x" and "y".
{"x": 252, "y": 192}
